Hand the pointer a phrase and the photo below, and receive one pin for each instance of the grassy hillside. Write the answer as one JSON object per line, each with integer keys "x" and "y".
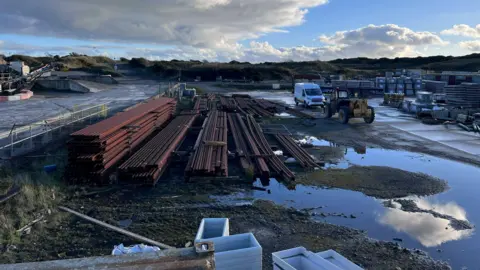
{"x": 261, "y": 71}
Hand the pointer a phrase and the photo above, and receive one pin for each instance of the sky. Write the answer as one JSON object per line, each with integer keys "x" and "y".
{"x": 241, "y": 30}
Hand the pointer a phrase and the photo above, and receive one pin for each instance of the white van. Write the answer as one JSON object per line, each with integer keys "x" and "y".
{"x": 308, "y": 94}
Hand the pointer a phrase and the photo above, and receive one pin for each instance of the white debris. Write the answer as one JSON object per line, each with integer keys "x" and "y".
{"x": 290, "y": 160}
{"x": 121, "y": 249}
{"x": 278, "y": 153}
{"x": 310, "y": 140}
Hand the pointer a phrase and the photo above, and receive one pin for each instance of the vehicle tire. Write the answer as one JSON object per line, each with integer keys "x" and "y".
{"x": 305, "y": 104}
{"x": 296, "y": 102}
{"x": 328, "y": 112}
{"x": 344, "y": 115}
{"x": 370, "y": 119}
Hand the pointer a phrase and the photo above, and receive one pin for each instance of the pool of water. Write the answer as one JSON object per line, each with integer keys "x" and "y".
{"x": 417, "y": 230}
{"x": 279, "y": 96}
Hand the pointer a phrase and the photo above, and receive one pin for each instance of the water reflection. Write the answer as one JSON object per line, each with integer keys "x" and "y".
{"x": 427, "y": 229}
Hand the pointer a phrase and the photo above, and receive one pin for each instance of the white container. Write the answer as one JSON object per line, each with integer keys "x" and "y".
{"x": 212, "y": 228}
{"x": 300, "y": 259}
{"x": 240, "y": 251}
{"x": 338, "y": 260}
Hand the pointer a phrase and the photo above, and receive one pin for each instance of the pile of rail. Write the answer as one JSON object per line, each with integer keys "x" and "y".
{"x": 148, "y": 163}
{"x": 302, "y": 156}
{"x": 95, "y": 150}
{"x": 251, "y": 144}
{"x": 256, "y": 107}
{"x": 228, "y": 104}
{"x": 211, "y": 156}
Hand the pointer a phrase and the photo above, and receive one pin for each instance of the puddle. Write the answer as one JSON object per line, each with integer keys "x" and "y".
{"x": 279, "y": 96}
{"x": 417, "y": 230}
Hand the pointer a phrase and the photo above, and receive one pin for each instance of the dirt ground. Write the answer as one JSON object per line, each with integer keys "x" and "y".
{"x": 379, "y": 182}
{"x": 276, "y": 228}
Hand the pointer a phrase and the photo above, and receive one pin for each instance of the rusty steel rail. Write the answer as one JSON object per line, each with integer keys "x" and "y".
{"x": 211, "y": 156}
{"x": 274, "y": 162}
{"x": 147, "y": 164}
{"x": 300, "y": 154}
{"x": 228, "y": 104}
{"x": 95, "y": 150}
{"x": 112, "y": 124}
{"x": 201, "y": 257}
{"x": 242, "y": 151}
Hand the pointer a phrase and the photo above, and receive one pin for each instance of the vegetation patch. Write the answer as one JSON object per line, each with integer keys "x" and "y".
{"x": 379, "y": 182}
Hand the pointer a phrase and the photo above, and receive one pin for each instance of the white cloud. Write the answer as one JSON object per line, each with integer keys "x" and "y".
{"x": 473, "y": 45}
{"x": 427, "y": 229}
{"x": 463, "y": 30}
{"x": 388, "y": 40}
{"x": 369, "y": 41}
{"x": 198, "y": 23}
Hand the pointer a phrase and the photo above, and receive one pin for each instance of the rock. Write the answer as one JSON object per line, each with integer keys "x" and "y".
{"x": 352, "y": 216}
{"x": 398, "y": 239}
{"x": 188, "y": 244}
{"x": 439, "y": 250}
{"x": 314, "y": 214}
{"x": 398, "y": 268}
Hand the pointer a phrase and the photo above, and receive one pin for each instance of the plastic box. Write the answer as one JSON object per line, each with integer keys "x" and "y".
{"x": 212, "y": 228}
{"x": 240, "y": 251}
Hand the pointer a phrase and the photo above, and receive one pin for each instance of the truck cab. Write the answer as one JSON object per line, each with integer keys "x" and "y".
{"x": 308, "y": 94}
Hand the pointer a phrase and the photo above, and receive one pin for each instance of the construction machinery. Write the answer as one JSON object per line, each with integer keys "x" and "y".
{"x": 349, "y": 106}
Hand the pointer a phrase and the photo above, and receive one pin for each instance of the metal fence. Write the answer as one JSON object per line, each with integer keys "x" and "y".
{"x": 23, "y": 139}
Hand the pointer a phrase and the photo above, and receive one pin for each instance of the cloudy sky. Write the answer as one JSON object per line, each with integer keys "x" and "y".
{"x": 244, "y": 30}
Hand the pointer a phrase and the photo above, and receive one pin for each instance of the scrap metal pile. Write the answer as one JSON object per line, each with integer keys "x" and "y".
{"x": 211, "y": 156}
{"x": 95, "y": 150}
{"x": 147, "y": 164}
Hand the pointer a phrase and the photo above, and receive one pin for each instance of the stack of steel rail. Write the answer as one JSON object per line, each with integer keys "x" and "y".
{"x": 302, "y": 156}
{"x": 248, "y": 105}
{"x": 228, "y": 104}
{"x": 251, "y": 144}
{"x": 242, "y": 141}
{"x": 95, "y": 150}
{"x": 274, "y": 162}
{"x": 148, "y": 163}
{"x": 201, "y": 104}
{"x": 210, "y": 157}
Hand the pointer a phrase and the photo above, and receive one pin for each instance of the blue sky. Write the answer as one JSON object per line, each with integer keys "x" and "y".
{"x": 251, "y": 30}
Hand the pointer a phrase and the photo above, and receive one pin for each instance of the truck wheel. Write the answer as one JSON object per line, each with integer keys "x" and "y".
{"x": 305, "y": 104}
{"x": 344, "y": 115}
{"x": 296, "y": 102}
{"x": 370, "y": 119}
{"x": 328, "y": 112}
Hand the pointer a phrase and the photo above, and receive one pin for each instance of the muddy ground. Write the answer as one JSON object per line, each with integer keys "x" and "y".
{"x": 276, "y": 228}
{"x": 379, "y": 182}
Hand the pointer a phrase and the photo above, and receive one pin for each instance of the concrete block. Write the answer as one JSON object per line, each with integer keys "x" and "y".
{"x": 240, "y": 251}
{"x": 338, "y": 260}
{"x": 212, "y": 228}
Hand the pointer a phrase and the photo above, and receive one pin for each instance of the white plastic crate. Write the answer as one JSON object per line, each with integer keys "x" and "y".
{"x": 240, "y": 251}
{"x": 300, "y": 259}
{"x": 338, "y": 260}
{"x": 212, "y": 228}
